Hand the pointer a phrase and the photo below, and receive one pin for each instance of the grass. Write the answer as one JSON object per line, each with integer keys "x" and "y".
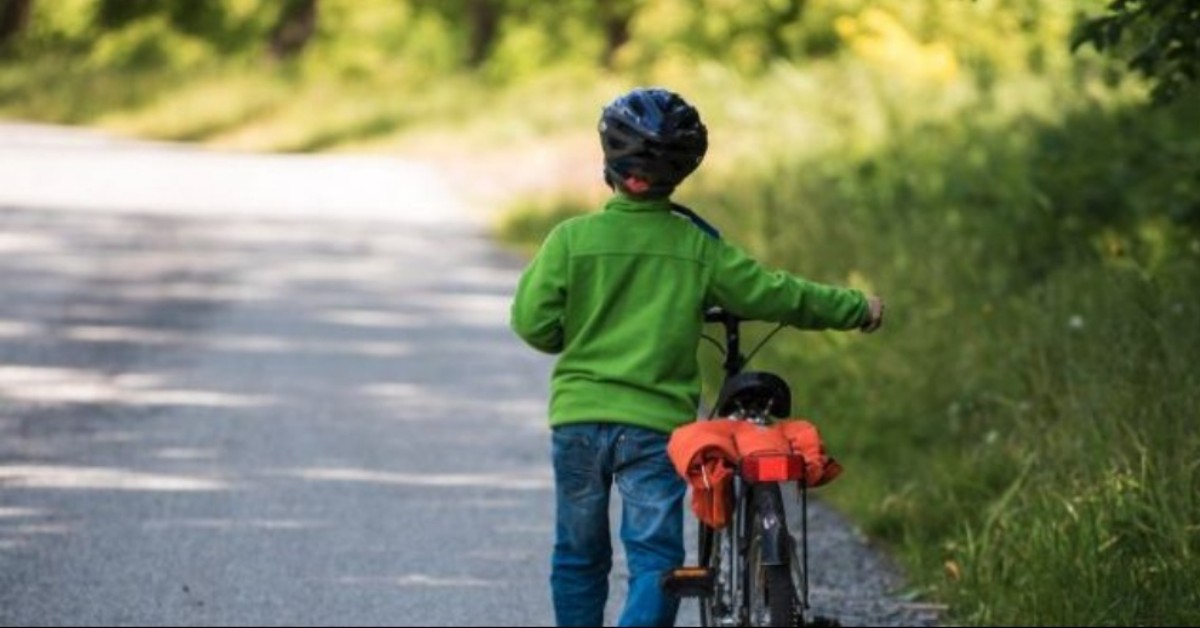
{"x": 1022, "y": 432}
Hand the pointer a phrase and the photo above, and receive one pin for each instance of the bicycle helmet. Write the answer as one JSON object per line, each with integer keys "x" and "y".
{"x": 654, "y": 135}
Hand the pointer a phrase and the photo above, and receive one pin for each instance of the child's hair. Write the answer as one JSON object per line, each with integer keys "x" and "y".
{"x": 652, "y": 139}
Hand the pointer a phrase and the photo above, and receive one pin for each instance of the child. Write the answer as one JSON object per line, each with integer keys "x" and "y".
{"x": 620, "y": 296}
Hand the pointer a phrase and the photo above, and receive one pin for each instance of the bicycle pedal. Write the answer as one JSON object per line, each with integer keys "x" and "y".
{"x": 688, "y": 582}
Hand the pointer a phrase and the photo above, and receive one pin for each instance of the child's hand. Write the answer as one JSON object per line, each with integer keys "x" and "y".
{"x": 874, "y": 315}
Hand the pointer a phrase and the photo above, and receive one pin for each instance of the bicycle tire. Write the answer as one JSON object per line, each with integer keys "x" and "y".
{"x": 768, "y": 587}
{"x": 708, "y": 547}
{"x": 780, "y": 596}
{"x": 704, "y": 545}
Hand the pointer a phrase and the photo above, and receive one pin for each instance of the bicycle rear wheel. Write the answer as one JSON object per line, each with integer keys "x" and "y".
{"x": 772, "y": 599}
{"x": 770, "y": 592}
{"x": 711, "y": 546}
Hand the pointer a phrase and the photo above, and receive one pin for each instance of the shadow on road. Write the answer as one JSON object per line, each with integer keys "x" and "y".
{"x": 273, "y": 421}
{"x": 265, "y": 421}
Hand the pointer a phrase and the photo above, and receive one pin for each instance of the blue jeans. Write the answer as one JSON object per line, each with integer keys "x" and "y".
{"x": 587, "y": 457}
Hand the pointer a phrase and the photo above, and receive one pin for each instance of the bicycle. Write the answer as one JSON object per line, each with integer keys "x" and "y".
{"x": 752, "y": 572}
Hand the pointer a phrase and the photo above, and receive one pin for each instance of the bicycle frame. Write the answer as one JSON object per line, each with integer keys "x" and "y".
{"x": 732, "y": 553}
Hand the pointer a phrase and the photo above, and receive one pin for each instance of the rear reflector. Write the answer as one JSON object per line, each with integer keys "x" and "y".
{"x": 773, "y": 468}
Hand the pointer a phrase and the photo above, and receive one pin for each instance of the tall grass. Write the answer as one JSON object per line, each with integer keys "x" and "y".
{"x": 1103, "y": 530}
{"x": 1023, "y": 430}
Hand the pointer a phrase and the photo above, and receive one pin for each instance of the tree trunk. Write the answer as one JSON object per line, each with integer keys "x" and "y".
{"x": 614, "y": 17}
{"x": 295, "y": 27}
{"x": 779, "y": 47}
{"x": 14, "y": 17}
{"x": 484, "y": 20}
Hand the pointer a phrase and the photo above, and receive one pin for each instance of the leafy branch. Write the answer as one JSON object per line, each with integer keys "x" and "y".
{"x": 1159, "y": 38}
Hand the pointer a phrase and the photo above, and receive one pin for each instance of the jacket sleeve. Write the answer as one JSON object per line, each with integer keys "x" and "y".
{"x": 540, "y": 301}
{"x": 743, "y": 286}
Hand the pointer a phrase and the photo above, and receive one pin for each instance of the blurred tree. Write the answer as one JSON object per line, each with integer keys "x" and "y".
{"x": 198, "y": 18}
{"x": 615, "y": 16}
{"x": 205, "y": 19}
{"x": 749, "y": 35}
{"x": 1163, "y": 40}
{"x": 294, "y": 28}
{"x": 14, "y": 17}
{"x": 783, "y": 15}
{"x": 111, "y": 14}
{"x": 483, "y": 19}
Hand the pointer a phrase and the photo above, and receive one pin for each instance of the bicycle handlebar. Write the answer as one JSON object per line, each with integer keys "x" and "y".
{"x": 717, "y": 314}
{"x": 734, "y": 360}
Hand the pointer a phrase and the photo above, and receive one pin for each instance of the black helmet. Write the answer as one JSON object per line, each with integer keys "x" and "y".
{"x": 653, "y": 134}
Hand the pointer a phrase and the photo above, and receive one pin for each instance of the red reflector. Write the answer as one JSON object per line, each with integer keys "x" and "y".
{"x": 773, "y": 468}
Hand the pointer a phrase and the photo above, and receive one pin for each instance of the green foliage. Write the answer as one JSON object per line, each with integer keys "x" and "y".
{"x": 119, "y": 13}
{"x": 1024, "y": 424}
{"x": 509, "y": 39}
{"x": 195, "y": 17}
{"x": 1035, "y": 361}
{"x": 149, "y": 42}
{"x": 1160, "y": 38}
{"x": 198, "y": 19}
{"x": 1109, "y": 506}
{"x": 526, "y": 224}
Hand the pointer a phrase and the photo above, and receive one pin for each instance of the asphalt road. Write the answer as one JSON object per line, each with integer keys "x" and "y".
{"x": 268, "y": 390}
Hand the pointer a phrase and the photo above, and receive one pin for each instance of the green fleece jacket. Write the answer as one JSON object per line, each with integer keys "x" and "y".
{"x": 620, "y": 296}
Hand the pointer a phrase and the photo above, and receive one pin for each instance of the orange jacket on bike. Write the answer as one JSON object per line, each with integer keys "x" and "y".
{"x": 707, "y": 453}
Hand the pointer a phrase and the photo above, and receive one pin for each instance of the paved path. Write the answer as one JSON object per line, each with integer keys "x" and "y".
{"x": 273, "y": 390}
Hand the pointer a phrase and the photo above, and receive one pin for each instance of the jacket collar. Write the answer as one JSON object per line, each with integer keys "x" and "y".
{"x": 622, "y": 203}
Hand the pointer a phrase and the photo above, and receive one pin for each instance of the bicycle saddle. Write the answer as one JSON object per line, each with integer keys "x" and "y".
{"x": 752, "y": 392}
